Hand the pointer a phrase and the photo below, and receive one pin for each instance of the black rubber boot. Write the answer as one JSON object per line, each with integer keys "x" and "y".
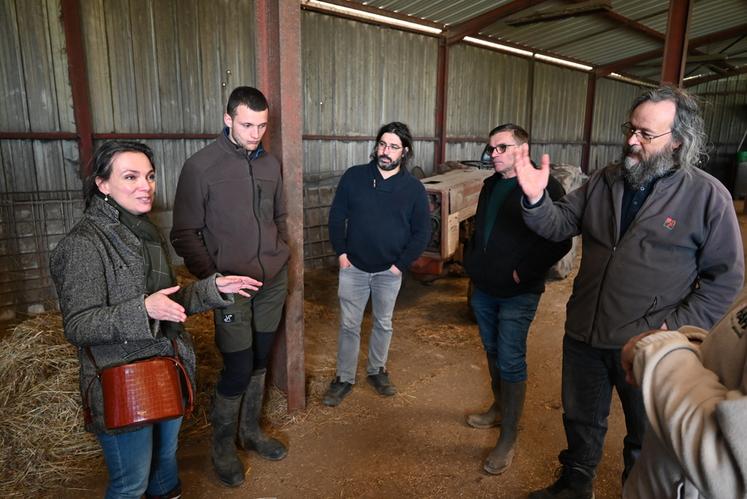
{"x": 225, "y": 420}
{"x": 491, "y": 417}
{"x": 250, "y": 433}
{"x": 512, "y": 402}
{"x": 572, "y": 483}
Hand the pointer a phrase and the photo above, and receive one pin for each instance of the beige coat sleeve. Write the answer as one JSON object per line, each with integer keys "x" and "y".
{"x": 684, "y": 404}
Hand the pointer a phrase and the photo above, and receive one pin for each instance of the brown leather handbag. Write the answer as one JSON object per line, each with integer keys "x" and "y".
{"x": 145, "y": 391}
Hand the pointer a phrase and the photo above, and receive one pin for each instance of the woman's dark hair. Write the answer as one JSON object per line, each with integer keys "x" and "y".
{"x": 102, "y": 163}
{"x": 401, "y": 131}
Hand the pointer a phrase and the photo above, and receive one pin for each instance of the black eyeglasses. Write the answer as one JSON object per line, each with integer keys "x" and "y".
{"x": 501, "y": 148}
{"x": 392, "y": 147}
{"x": 645, "y": 137}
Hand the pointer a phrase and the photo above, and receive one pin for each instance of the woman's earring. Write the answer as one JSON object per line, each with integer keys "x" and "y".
{"x": 106, "y": 197}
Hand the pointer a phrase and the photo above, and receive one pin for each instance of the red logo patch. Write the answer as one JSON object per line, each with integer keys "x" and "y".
{"x": 669, "y": 223}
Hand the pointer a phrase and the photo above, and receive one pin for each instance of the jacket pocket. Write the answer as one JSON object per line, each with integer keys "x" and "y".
{"x": 266, "y": 199}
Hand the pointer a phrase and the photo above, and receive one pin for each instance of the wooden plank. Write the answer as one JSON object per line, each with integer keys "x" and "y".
{"x": 167, "y": 47}
{"x": 61, "y": 78}
{"x": 48, "y": 158}
{"x": 18, "y": 159}
{"x": 97, "y": 67}
{"x": 121, "y": 65}
{"x": 168, "y": 171}
{"x": 146, "y": 74}
{"x": 71, "y": 166}
{"x": 190, "y": 66}
{"x": 237, "y": 48}
{"x": 211, "y": 72}
{"x": 13, "y": 112}
{"x": 4, "y": 172}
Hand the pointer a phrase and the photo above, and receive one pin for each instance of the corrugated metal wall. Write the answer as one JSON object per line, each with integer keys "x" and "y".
{"x": 36, "y": 97}
{"x": 724, "y": 105}
{"x": 612, "y": 102}
{"x": 355, "y": 81}
{"x": 485, "y": 88}
{"x": 559, "y": 102}
{"x": 166, "y": 66}
{"x": 36, "y": 208}
{"x": 153, "y": 67}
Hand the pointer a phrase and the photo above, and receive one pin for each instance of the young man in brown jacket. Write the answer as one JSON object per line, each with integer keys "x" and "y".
{"x": 230, "y": 217}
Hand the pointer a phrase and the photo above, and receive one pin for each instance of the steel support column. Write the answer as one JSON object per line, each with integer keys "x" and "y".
{"x": 441, "y": 95}
{"x": 278, "y": 63}
{"x": 591, "y": 90}
{"x": 675, "y": 46}
{"x": 76, "y": 65}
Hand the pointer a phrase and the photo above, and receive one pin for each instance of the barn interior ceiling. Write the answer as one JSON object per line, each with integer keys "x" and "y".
{"x": 609, "y": 37}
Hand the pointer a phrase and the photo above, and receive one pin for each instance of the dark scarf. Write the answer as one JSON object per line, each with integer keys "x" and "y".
{"x": 158, "y": 273}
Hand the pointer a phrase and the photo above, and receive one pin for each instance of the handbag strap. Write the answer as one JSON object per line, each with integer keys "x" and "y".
{"x": 190, "y": 395}
{"x": 177, "y": 361}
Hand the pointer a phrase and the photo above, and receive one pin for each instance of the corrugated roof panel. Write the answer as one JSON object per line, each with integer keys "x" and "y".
{"x": 447, "y": 12}
{"x": 590, "y": 38}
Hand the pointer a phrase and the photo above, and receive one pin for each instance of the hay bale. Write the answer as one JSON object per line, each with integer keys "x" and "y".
{"x": 43, "y": 443}
{"x": 42, "y": 440}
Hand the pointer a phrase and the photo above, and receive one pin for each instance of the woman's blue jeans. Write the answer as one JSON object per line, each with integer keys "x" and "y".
{"x": 142, "y": 461}
{"x": 504, "y": 326}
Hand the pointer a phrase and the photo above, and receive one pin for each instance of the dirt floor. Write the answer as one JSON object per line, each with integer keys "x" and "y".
{"x": 416, "y": 443}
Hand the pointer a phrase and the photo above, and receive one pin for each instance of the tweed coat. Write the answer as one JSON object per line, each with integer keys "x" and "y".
{"x": 98, "y": 270}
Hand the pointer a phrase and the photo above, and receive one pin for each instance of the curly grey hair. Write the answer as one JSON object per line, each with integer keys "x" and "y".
{"x": 688, "y": 127}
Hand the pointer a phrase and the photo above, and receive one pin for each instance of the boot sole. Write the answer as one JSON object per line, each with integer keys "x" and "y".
{"x": 228, "y": 484}
{"x": 481, "y": 426}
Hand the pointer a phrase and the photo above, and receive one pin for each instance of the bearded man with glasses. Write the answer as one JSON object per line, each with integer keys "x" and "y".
{"x": 507, "y": 263}
{"x": 661, "y": 249}
{"x": 379, "y": 224}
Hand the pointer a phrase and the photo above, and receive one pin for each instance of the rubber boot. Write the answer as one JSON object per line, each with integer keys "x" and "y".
{"x": 491, "y": 417}
{"x": 250, "y": 433}
{"x": 225, "y": 419}
{"x": 512, "y": 402}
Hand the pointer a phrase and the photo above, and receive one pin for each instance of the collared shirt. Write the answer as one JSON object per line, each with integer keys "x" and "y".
{"x": 632, "y": 201}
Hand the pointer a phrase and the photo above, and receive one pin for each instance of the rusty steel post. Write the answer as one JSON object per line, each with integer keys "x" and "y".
{"x": 278, "y": 63}
{"x": 591, "y": 90}
{"x": 675, "y": 46}
{"x": 76, "y": 65}
{"x": 439, "y": 155}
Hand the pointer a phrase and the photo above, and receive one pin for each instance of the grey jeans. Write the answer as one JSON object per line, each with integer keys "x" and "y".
{"x": 354, "y": 290}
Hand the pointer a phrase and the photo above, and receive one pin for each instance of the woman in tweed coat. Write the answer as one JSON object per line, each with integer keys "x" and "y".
{"x": 119, "y": 299}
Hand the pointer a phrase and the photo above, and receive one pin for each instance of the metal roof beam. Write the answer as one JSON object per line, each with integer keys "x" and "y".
{"x": 703, "y": 79}
{"x": 675, "y": 47}
{"x": 718, "y": 36}
{"x": 455, "y": 33}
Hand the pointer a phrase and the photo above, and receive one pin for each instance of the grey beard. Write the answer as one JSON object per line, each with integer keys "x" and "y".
{"x": 642, "y": 173}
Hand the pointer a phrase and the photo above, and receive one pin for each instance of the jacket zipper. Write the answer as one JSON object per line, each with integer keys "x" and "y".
{"x": 614, "y": 248}
{"x": 613, "y": 224}
{"x": 256, "y": 217}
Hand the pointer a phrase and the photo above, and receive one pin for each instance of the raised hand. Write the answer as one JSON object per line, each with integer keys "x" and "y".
{"x": 160, "y": 307}
{"x": 533, "y": 181}
{"x": 237, "y": 284}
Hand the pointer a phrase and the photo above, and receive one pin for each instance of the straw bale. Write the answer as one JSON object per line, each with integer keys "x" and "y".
{"x": 42, "y": 440}
{"x": 43, "y": 443}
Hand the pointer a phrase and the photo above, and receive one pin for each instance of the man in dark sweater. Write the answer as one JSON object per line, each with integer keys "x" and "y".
{"x": 507, "y": 263}
{"x": 378, "y": 225}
